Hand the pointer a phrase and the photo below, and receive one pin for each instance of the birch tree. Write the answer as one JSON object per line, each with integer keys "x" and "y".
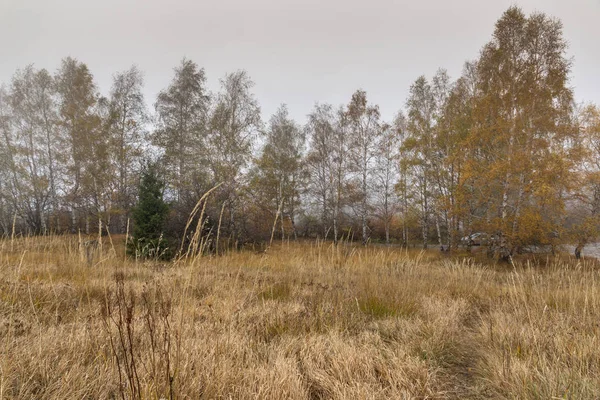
{"x": 404, "y": 172}
{"x": 279, "y": 171}
{"x": 522, "y": 121}
{"x": 128, "y": 119}
{"x": 182, "y": 112}
{"x": 418, "y": 147}
{"x": 87, "y": 165}
{"x": 9, "y": 199}
{"x": 234, "y": 125}
{"x": 583, "y": 209}
{"x": 454, "y": 128}
{"x": 387, "y": 175}
{"x": 320, "y": 132}
{"x": 364, "y": 131}
{"x": 36, "y": 147}
{"x": 329, "y": 162}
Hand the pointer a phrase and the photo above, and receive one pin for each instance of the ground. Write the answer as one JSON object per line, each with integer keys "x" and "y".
{"x": 298, "y": 321}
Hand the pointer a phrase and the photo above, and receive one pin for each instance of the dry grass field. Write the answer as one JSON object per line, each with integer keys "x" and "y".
{"x": 299, "y": 321}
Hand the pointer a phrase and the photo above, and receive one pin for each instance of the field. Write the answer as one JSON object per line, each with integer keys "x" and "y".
{"x": 299, "y": 321}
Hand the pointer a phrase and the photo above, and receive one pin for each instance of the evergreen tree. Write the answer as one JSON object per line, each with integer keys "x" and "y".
{"x": 149, "y": 217}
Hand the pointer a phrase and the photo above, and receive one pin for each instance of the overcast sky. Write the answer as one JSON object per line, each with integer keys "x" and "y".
{"x": 297, "y": 52}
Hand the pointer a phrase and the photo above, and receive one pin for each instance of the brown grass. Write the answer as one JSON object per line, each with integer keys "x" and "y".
{"x": 300, "y": 321}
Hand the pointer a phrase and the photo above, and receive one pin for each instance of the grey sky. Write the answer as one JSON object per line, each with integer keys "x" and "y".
{"x": 297, "y": 52}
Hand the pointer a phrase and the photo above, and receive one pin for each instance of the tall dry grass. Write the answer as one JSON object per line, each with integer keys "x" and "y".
{"x": 299, "y": 321}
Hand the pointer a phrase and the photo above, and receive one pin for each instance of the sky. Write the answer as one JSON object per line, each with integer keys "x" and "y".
{"x": 297, "y": 52}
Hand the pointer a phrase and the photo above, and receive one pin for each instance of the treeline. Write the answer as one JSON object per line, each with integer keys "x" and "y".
{"x": 504, "y": 149}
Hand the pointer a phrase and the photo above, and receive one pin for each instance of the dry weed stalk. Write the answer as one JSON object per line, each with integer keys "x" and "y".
{"x": 142, "y": 338}
{"x": 197, "y": 243}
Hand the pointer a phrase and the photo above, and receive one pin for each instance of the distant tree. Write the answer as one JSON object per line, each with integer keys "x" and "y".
{"x": 418, "y": 149}
{"x": 319, "y": 130}
{"x": 453, "y": 128}
{"x": 387, "y": 174}
{"x": 328, "y": 162}
{"x": 182, "y": 111}
{"x": 30, "y": 134}
{"x": 9, "y": 202}
{"x": 234, "y": 124}
{"x": 87, "y": 143}
{"x": 127, "y": 120}
{"x": 364, "y": 132}
{"x": 583, "y": 209}
{"x": 402, "y": 186}
{"x": 149, "y": 216}
{"x": 278, "y": 173}
{"x": 589, "y": 124}
{"x": 440, "y": 155}
{"x": 428, "y": 151}
{"x": 29, "y": 153}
